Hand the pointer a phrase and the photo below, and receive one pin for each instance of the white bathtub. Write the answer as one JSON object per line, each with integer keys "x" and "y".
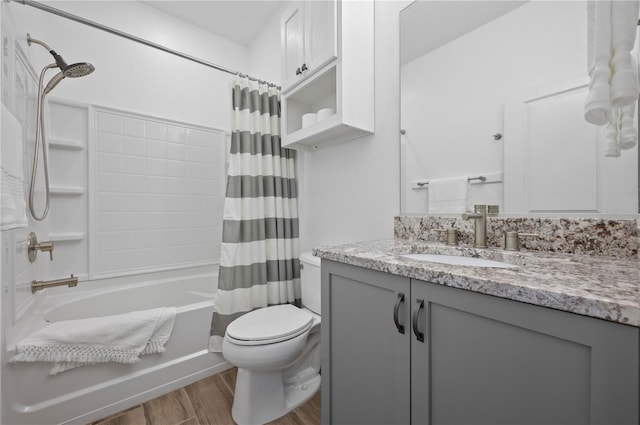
{"x": 31, "y": 396}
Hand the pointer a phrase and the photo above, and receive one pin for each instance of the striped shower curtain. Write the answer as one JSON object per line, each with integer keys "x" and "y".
{"x": 259, "y": 263}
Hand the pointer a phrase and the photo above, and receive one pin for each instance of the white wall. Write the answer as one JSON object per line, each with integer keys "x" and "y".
{"x": 264, "y": 51}
{"x": 453, "y": 98}
{"x": 132, "y": 76}
{"x": 128, "y": 76}
{"x": 350, "y": 192}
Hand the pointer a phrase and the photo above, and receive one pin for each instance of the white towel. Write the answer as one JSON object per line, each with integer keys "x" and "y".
{"x": 12, "y": 204}
{"x": 627, "y": 133}
{"x": 624, "y": 78}
{"x": 612, "y": 145}
{"x": 121, "y": 338}
{"x": 448, "y": 195}
{"x": 613, "y": 86}
{"x": 599, "y": 52}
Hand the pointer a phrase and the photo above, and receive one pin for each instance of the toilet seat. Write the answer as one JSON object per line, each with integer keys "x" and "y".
{"x": 269, "y": 325}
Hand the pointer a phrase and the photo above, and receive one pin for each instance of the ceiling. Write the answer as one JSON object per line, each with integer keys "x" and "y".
{"x": 426, "y": 25}
{"x": 238, "y": 21}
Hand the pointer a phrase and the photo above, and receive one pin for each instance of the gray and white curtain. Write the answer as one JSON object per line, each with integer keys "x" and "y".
{"x": 259, "y": 263}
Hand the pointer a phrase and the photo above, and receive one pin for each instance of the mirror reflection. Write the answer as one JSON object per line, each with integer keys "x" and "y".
{"x": 496, "y": 89}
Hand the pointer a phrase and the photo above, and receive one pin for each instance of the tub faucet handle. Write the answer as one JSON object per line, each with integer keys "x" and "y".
{"x": 33, "y": 246}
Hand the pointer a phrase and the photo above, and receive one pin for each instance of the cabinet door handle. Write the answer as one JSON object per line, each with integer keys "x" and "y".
{"x": 298, "y": 72}
{"x": 414, "y": 320}
{"x": 304, "y": 67}
{"x": 396, "y": 309}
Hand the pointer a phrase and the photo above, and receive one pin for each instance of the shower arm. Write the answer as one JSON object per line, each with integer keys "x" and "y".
{"x": 59, "y": 61}
{"x": 33, "y": 40}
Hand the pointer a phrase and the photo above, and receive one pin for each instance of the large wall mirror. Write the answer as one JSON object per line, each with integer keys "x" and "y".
{"x": 496, "y": 89}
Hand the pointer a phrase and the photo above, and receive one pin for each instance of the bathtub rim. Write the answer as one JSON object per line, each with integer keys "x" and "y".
{"x": 54, "y": 298}
{"x": 149, "y": 381}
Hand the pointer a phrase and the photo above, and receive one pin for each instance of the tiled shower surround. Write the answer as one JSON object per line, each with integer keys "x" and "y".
{"x": 588, "y": 236}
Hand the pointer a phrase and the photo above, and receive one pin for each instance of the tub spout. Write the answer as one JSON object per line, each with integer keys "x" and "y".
{"x": 37, "y": 285}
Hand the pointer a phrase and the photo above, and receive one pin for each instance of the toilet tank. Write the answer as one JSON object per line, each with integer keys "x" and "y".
{"x": 310, "y": 281}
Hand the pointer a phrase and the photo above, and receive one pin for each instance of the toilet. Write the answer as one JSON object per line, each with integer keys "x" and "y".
{"x": 277, "y": 352}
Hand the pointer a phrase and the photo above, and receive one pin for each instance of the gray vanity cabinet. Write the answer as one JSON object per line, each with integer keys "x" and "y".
{"x": 483, "y": 359}
{"x": 365, "y": 357}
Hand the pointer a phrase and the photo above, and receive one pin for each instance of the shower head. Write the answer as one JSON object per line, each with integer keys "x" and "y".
{"x": 74, "y": 70}
{"x": 79, "y": 69}
{"x": 53, "y": 82}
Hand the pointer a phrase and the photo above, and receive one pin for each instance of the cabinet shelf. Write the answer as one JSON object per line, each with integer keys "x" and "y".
{"x": 325, "y": 133}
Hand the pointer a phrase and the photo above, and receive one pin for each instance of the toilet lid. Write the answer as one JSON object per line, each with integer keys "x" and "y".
{"x": 269, "y": 325}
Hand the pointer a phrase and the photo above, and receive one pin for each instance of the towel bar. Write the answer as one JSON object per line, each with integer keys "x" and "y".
{"x": 481, "y": 178}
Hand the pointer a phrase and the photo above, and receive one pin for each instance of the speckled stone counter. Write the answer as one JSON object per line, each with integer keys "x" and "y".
{"x": 597, "y": 286}
{"x": 588, "y": 236}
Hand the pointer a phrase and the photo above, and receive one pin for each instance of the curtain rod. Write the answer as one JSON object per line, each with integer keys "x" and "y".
{"x": 130, "y": 37}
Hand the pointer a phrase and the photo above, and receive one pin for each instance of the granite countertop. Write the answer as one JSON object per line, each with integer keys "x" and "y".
{"x": 596, "y": 286}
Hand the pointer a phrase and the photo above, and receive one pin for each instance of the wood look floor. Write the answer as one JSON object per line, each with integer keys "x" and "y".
{"x": 205, "y": 402}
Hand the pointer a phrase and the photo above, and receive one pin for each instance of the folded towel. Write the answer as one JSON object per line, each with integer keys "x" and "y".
{"x": 12, "y": 204}
{"x": 448, "y": 195}
{"x": 121, "y": 338}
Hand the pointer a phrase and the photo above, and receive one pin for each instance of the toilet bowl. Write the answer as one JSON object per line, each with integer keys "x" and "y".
{"x": 277, "y": 352}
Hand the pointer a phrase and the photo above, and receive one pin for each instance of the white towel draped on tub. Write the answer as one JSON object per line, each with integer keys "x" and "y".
{"x": 12, "y": 205}
{"x": 121, "y": 338}
{"x": 448, "y": 195}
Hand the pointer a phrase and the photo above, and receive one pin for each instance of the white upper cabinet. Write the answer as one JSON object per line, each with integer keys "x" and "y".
{"x": 308, "y": 39}
{"x": 327, "y": 73}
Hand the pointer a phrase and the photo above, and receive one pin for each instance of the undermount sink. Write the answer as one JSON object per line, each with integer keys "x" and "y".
{"x": 457, "y": 260}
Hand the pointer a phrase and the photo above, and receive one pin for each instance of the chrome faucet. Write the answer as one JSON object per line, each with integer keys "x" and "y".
{"x": 479, "y": 217}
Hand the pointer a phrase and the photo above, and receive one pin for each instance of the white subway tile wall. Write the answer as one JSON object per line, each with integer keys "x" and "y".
{"x": 158, "y": 194}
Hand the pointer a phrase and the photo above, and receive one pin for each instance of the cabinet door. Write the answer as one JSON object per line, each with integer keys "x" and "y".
{"x": 292, "y": 43}
{"x": 365, "y": 359}
{"x": 320, "y": 42}
{"x": 487, "y": 360}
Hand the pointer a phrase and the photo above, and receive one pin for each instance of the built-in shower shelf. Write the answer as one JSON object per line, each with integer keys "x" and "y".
{"x": 67, "y": 191}
{"x": 67, "y": 237}
{"x": 71, "y": 145}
